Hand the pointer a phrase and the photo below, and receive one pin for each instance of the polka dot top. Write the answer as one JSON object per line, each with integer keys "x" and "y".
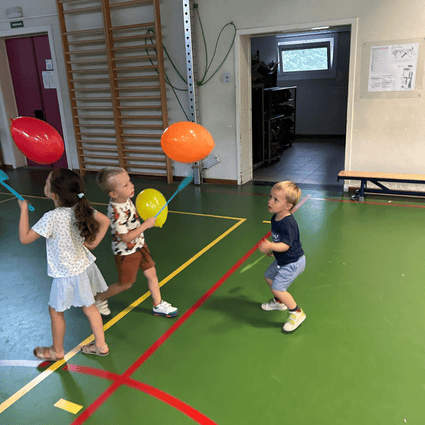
{"x": 66, "y": 254}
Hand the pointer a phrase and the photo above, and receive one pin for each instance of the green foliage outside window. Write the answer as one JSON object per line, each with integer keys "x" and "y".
{"x": 314, "y": 59}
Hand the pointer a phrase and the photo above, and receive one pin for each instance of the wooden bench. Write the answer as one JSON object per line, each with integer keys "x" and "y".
{"x": 377, "y": 179}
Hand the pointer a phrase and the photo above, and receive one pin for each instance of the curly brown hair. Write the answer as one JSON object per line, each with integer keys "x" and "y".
{"x": 67, "y": 184}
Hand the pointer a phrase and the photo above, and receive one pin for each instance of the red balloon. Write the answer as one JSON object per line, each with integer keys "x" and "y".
{"x": 186, "y": 142}
{"x": 37, "y": 140}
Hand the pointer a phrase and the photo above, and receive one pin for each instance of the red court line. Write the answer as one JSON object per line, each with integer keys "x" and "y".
{"x": 98, "y": 373}
{"x": 123, "y": 378}
{"x": 303, "y": 201}
{"x": 147, "y": 389}
{"x": 384, "y": 204}
{"x": 172, "y": 401}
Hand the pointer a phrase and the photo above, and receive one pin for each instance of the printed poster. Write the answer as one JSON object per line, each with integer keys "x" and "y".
{"x": 393, "y": 67}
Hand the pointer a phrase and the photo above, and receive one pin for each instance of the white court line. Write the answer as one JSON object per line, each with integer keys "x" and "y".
{"x": 23, "y": 363}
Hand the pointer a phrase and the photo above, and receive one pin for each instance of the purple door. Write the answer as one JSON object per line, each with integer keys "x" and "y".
{"x": 27, "y": 60}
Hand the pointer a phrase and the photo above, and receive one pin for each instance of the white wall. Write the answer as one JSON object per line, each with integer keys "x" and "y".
{"x": 42, "y": 15}
{"x": 384, "y": 134}
{"x": 11, "y": 154}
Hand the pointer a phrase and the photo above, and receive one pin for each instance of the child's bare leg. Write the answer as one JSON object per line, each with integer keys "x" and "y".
{"x": 285, "y": 297}
{"x": 269, "y": 282}
{"x": 96, "y": 325}
{"x": 112, "y": 290}
{"x": 153, "y": 285}
{"x": 58, "y": 331}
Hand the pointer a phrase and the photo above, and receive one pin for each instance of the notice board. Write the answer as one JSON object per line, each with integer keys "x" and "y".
{"x": 392, "y": 69}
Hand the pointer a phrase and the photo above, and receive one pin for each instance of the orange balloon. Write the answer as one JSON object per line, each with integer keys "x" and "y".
{"x": 186, "y": 142}
{"x": 37, "y": 140}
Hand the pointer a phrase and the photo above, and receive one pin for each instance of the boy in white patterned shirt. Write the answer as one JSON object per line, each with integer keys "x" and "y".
{"x": 128, "y": 242}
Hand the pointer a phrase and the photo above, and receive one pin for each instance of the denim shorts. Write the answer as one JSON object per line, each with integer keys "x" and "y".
{"x": 283, "y": 276}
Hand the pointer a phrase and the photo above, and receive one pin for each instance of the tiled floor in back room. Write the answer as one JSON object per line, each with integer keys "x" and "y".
{"x": 310, "y": 161}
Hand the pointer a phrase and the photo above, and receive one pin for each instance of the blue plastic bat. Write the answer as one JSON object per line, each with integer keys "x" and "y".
{"x": 3, "y": 177}
{"x": 182, "y": 185}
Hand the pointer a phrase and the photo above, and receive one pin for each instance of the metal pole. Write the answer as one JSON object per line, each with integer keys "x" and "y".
{"x": 191, "y": 80}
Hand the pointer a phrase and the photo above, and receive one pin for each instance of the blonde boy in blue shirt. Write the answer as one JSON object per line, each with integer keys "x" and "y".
{"x": 288, "y": 252}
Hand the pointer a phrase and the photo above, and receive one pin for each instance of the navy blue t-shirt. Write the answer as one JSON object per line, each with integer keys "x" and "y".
{"x": 286, "y": 231}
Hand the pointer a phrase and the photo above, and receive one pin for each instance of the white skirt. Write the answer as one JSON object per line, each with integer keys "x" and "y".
{"x": 77, "y": 291}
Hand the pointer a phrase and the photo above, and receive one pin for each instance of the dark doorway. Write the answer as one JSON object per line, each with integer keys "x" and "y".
{"x": 30, "y": 57}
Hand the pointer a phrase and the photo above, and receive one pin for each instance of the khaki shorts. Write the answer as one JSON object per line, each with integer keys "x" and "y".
{"x": 128, "y": 265}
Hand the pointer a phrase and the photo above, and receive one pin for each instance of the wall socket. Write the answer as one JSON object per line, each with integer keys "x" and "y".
{"x": 226, "y": 77}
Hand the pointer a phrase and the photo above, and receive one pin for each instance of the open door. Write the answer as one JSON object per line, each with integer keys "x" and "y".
{"x": 30, "y": 61}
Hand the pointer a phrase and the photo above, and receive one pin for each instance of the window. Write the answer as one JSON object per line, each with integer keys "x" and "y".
{"x": 307, "y": 57}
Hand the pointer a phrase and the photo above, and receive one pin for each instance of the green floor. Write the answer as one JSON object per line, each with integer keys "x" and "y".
{"x": 357, "y": 359}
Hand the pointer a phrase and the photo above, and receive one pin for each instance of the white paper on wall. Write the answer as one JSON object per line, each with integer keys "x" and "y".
{"x": 48, "y": 80}
{"x": 393, "y": 67}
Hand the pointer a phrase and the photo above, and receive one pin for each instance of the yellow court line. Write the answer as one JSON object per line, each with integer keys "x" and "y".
{"x": 173, "y": 274}
{"x": 25, "y": 196}
{"x": 99, "y": 203}
{"x": 32, "y": 384}
{"x": 7, "y": 200}
{"x": 207, "y": 215}
{"x": 43, "y": 197}
{"x": 68, "y": 406}
{"x": 190, "y": 213}
{"x": 173, "y": 212}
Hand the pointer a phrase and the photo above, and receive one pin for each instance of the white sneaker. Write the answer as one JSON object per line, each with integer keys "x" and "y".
{"x": 294, "y": 320}
{"x": 165, "y": 309}
{"x": 273, "y": 305}
{"x": 103, "y": 308}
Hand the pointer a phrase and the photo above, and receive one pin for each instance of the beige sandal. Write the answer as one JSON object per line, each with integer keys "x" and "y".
{"x": 39, "y": 352}
{"x": 93, "y": 349}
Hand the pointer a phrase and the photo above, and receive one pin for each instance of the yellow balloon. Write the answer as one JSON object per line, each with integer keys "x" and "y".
{"x": 149, "y": 202}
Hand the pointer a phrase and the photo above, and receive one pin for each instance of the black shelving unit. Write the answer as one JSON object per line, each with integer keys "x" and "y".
{"x": 273, "y": 122}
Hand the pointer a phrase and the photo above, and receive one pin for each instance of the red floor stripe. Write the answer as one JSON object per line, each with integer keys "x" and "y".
{"x": 188, "y": 313}
{"x": 172, "y": 401}
{"x": 203, "y": 420}
{"x": 303, "y": 201}
{"x": 98, "y": 373}
{"x": 147, "y": 389}
{"x": 97, "y": 403}
{"x": 384, "y": 204}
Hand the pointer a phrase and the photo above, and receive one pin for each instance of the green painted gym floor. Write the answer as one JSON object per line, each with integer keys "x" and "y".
{"x": 357, "y": 359}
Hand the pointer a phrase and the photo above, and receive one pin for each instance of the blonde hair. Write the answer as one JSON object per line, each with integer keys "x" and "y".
{"x": 292, "y": 191}
{"x": 105, "y": 175}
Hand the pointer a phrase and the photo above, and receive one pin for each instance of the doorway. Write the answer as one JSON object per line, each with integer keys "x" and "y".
{"x": 305, "y": 142}
{"x": 30, "y": 63}
{"x": 244, "y": 84}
